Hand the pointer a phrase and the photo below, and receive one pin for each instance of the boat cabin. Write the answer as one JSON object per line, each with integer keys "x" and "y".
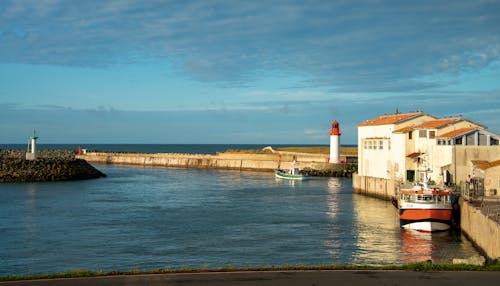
{"x": 425, "y": 196}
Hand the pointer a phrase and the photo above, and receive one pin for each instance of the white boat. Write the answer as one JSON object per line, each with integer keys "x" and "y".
{"x": 292, "y": 174}
{"x": 423, "y": 208}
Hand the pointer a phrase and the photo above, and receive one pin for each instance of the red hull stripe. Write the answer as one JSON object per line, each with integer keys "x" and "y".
{"x": 424, "y": 214}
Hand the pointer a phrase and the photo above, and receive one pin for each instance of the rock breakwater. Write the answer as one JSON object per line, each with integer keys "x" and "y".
{"x": 332, "y": 170}
{"x": 59, "y": 166}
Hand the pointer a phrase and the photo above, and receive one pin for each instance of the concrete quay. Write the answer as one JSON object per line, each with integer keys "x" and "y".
{"x": 288, "y": 278}
{"x": 481, "y": 228}
{"x": 314, "y": 164}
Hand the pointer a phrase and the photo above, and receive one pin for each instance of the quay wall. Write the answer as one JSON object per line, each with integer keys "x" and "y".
{"x": 482, "y": 230}
{"x": 260, "y": 162}
{"x": 374, "y": 187}
{"x": 313, "y": 164}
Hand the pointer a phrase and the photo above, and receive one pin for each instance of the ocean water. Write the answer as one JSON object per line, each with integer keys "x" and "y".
{"x": 148, "y": 218}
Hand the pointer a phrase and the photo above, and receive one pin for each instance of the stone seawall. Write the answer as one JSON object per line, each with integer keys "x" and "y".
{"x": 374, "y": 187}
{"x": 311, "y": 165}
{"x": 484, "y": 231}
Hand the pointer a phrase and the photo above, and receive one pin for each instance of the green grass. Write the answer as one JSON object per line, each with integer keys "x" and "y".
{"x": 425, "y": 266}
{"x": 243, "y": 151}
{"x": 348, "y": 151}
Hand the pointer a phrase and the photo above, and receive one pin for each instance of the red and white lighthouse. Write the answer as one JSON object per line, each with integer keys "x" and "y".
{"x": 335, "y": 143}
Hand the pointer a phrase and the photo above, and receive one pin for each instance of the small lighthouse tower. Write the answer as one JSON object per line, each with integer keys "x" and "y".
{"x": 335, "y": 143}
{"x": 31, "y": 154}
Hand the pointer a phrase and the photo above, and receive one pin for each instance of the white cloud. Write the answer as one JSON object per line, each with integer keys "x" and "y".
{"x": 351, "y": 46}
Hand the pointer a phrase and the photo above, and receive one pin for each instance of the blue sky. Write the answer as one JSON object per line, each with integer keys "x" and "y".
{"x": 240, "y": 71}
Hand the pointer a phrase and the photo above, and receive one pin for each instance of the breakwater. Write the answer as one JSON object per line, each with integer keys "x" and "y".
{"x": 50, "y": 166}
{"x": 309, "y": 164}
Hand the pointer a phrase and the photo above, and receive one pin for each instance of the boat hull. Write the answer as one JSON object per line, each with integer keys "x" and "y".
{"x": 427, "y": 220}
{"x": 426, "y": 226}
{"x": 283, "y": 175}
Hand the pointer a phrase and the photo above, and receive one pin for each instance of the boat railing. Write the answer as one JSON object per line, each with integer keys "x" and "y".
{"x": 437, "y": 197}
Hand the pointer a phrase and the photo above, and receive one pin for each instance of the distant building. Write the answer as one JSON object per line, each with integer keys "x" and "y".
{"x": 405, "y": 147}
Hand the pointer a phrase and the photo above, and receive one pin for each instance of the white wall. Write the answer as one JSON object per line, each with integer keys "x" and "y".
{"x": 442, "y": 158}
{"x": 398, "y": 152}
{"x": 375, "y": 162}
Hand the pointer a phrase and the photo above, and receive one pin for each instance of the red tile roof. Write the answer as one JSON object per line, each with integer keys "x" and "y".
{"x": 391, "y": 119}
{"x": 404, "y": 129}
{"x": 455, "y": 133}
{"x": 437, "y": 123}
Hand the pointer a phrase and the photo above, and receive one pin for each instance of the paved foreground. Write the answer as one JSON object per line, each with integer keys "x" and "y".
{"x": 286, "y": 278}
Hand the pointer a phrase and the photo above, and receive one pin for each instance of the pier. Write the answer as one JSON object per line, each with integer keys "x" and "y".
{"x": 309, "y": 164}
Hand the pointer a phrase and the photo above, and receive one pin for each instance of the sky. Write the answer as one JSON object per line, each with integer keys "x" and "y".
{"x": 248, "y": 72}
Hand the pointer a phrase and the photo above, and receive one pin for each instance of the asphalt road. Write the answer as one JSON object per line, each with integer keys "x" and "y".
{"x": 286, "y": 278}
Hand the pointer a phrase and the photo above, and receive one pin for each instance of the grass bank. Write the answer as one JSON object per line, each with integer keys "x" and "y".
{"x": 347, "y": 151}
{"x": 425, "y": 266}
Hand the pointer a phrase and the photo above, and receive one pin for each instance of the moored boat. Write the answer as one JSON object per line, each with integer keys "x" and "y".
{"x": 293, "y": 174}
{"x": 425, "y": 209}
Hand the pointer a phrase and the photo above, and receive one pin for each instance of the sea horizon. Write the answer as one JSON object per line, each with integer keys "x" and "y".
{"x": 200, "y": 148}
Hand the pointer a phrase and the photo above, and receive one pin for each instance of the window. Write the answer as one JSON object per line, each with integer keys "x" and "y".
{"x": 410, "y": 134}
{"x": 422, "y": 133}
{"x": 381, "y": 145}
{"x": 366, "y": 144}
{"x": 432, "y": 134}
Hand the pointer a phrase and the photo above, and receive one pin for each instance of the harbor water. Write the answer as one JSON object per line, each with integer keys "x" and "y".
{"x": 148, "y": 218}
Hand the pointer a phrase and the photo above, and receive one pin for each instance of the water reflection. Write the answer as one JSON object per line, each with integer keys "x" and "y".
{"x": 416, "y": 246}
{"x": 376, "y": 222}
{"x": 30, "y": 210}
{"x": 438, "y": 247}
{"x": 336, "y": 243}
{"x": 285, "y": 182}
{"x": 334, "y": 186}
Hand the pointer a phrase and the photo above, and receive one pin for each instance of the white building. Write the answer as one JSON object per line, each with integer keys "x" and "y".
{"x": 381, "y": 151}
{"x": 400, "y": 147}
